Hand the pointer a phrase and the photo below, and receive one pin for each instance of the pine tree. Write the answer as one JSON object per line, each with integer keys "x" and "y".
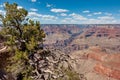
{"x": 23, "y": 37}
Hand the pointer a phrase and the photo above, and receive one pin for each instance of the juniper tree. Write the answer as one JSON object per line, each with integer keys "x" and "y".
{"x": 23, "y": 36}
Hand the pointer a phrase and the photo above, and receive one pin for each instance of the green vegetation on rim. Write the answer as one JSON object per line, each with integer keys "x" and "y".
{"x": 23, "y": 36}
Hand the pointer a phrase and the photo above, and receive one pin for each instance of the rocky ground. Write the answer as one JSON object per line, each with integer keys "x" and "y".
{"x": 47, "y": 65}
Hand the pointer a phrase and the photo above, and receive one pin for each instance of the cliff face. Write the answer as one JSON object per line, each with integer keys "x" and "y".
{"x": 97, "y": 63}
{"x": 108, "y": 71}
{"x": 103, "y": 32}
{"x": 69, "y": 38}
{"x": 59, "y": 33}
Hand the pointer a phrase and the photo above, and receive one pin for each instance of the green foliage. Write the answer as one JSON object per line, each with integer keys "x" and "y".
{"x": 23, "y": 36}
{"x": 72, "y": 75}
{"x": 69, "y": 74}
{"x": 14, "y": 16}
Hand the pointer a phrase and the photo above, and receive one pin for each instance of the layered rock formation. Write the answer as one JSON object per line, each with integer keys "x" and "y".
{"x": 103, "y": 32}
{"x": 59, "y": 32}
{"x": 96, "y": 64}
{"x": 70, "y": 38}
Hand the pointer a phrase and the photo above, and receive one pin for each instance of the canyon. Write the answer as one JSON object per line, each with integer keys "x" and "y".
{"x": 92, "y": 51}
{"x": 95, "y": 48}
{"x": 69, "y": 38}
{"x": 96, "y": 64}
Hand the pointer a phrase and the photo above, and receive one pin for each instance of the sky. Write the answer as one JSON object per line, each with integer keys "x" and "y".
{"x": 70, "y": 11}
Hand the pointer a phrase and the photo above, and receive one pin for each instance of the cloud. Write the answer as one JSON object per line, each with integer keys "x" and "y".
{"x": 33, "y": 9}
{"x": 33, "y": 0}
{"x": 97, "y": 13}
{"x": 59, "y": 10}
{"x": 63, "y": 14}
{"x": 2, "y": 12}
{"x": 108, "y": 14}
{"x": 35, "y": 15}
{"x": 49, "y": 17}
{"x": 48, "y": 5}
{"x": 73, "y": 18}
{"x": 77, "y": 16}
{"x": 19, "y": 7}
{"x": 36, "y": 18}
{"x": 69, "y": 20}
{"x": 99, "y": 21}
{"x": 86, "y": 11}
{"x": 89, "y": 15}
{"x": 106, "y": 18}
{"x": 89, "y": 21}
{"x": 102, "y": 20}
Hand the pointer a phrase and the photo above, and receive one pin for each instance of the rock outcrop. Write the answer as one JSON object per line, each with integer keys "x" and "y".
{"x": 98, "y": 64}
{"x": 108, "y": 64}
{"x": 70, "y": 38}
{"x": 53, "y": 65}
{"x": 110, "y": 32}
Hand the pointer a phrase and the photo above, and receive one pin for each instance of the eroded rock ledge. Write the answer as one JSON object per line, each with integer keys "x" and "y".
{"x": 95, "y": 63}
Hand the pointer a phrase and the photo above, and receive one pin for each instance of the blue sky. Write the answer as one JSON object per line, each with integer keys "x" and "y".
{"x": 70, "y": 11}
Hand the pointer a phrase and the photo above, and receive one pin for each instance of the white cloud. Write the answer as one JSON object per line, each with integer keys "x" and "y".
{"x": 73, "y": 18}
{"x": 49, "y": 17}
{"x": 106, "y": 18}
{"x": 69, "y": 21}
{"x": 77, "y": 16}
{"x": 63, "y": 14}
{"x": 38, "y": 16}
{"x": 2, "y": 12}
{"x": 102, "y": 20}
{"x": 108, "y": 14}
{"x": 97, "y": 13}
{"x": 68, "y": 18}
{"x": 64, "y": 21}
{"x": 48, "y": 5}
{"x": 79, "y": 19}
{"x": 34, "y": 14}
{"x": 89, "y": 15}
{"x": 19, "y": 7}
{"x": 86, "y": 11}
{"x": 33, "y": 0}
{"x": 58, "y": 10}
{"x": 33, "y": 9}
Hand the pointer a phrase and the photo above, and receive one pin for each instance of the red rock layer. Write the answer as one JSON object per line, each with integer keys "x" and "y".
{"x": 103, "y": 32}
{"x": 107, "y": 64}
{"x": 102, "y": 69}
